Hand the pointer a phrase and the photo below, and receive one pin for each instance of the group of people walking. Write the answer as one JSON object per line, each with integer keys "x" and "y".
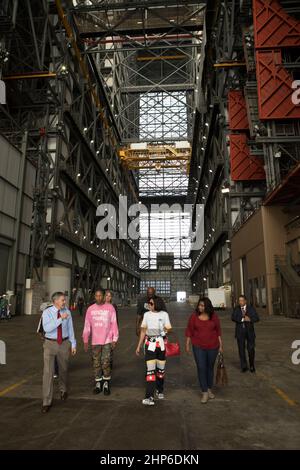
{"x": 100, "y": 328}
{"x": 203, "y": 338}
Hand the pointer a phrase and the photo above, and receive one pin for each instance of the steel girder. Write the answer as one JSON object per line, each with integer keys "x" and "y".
{"x": 141, "y": 66}
{"x": 71, "y": 147}
{"x": 210, "y": 170}
{"x": 230, "y": 35}
{"x": 149, "y": 75}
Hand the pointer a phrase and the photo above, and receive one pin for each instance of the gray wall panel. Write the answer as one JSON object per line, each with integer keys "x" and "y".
{"x": 10, "y": 183}
{"x": 7, "y": 226}
{"x": 26, "y": 216}
{"x": 29, "y": 184}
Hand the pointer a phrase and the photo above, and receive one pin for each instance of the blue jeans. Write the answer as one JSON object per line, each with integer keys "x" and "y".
{"x": 205, "y": 360}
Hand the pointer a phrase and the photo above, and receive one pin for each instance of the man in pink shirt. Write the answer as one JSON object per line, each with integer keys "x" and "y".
{"x": 101, "y": 323}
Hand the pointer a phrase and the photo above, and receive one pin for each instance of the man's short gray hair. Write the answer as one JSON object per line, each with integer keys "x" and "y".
{"x": 57, "y": 295}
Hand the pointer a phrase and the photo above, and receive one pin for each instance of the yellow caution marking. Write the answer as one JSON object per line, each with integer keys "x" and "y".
{"x": 279, "y": 392}
{"x": 12, "y": 387}
{"x": 284, "y": 396}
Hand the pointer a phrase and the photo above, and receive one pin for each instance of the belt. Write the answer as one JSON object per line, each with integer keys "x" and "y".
{"x": 52, "y": 339}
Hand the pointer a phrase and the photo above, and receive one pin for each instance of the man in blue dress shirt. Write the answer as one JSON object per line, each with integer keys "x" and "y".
{"x": 59, "y": 336}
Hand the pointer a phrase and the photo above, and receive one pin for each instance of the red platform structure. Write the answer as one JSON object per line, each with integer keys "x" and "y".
{"x": 273, "y": 27}
{"x": 238, "y": 119}
{"x": 244, "y": 167}
{"x": 275, "y": 88}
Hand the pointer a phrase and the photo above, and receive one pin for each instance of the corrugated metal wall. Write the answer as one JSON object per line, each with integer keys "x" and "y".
{"x": 10, "y": 182}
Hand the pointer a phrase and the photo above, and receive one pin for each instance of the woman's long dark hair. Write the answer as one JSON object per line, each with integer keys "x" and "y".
{"x": 208, "y": 306}
{"x": 158, "y": 303}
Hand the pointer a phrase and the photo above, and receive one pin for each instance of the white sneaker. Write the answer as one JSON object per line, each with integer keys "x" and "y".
{"x": 148, "y": 401}
{"x": 160, "y": 396}
{"x": 211, "y": 396}
{"x": 204, "y": 398}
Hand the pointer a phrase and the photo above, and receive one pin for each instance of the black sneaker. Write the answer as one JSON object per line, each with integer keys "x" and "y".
{"x": 106, "y": 388}
{"x": 98, "y": 387}
{"x": 244, "y": 369}
{"x": 252, "y": 369}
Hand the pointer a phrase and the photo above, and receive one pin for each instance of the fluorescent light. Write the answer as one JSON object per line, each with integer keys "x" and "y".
{"x": 225, "y": 190}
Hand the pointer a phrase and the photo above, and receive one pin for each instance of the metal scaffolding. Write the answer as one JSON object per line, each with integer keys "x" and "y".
{"x": 246, "y": 136}
{"x": 54, "y": 95}
{"x": 158, "y": 101}
{"x": 147, "y": 55}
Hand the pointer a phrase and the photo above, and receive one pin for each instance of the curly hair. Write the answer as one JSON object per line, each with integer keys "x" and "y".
{"x": 208, "y": 306}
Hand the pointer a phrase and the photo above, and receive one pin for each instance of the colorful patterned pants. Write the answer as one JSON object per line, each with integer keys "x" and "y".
{"x": 155, "y": 370}
{"x": 101, "y": 355}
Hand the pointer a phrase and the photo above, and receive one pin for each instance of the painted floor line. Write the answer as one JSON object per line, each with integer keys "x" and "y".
{"x": 278, "y": 390}
{"x": 284, "y": 396}
{"x": 12, "y": 387}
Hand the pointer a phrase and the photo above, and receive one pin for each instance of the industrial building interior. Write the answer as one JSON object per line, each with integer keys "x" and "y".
{"x": 193, "y": 105}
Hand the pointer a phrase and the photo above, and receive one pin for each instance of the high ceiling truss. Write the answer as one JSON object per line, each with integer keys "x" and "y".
{"x": 55, "y": 96}
{"x": 147, "y": 56}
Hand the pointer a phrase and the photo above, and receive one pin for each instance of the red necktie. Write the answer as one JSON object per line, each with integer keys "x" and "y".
{"x": 59, "y": 330}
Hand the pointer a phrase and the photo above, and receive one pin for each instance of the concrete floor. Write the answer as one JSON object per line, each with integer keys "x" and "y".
{"x": 259, "y": 411}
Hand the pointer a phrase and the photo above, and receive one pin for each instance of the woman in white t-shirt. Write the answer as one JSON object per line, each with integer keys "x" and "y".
{"x": 155, "y": 325}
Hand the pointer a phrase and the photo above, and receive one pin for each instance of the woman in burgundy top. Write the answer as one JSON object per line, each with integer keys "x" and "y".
{"x": 204, "y": 332}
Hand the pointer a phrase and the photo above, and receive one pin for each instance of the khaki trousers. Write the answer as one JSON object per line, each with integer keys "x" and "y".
{"x": 62, "y": 353}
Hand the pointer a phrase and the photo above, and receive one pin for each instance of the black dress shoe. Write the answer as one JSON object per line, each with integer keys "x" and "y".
{"x": 45, "y": 408}
{"x": 63, "y": 396}
{"x": 244, "y": 369}
{"x": 252, "y": 369}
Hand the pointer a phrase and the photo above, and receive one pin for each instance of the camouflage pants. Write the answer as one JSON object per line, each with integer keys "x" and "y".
{"x": 101, "y": 355}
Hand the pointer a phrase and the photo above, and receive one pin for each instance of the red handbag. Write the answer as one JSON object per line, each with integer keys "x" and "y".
{"x": 172, "y": 349}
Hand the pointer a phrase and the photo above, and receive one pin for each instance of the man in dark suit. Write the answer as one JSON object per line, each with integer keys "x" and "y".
{"x": 244, "y": 317}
